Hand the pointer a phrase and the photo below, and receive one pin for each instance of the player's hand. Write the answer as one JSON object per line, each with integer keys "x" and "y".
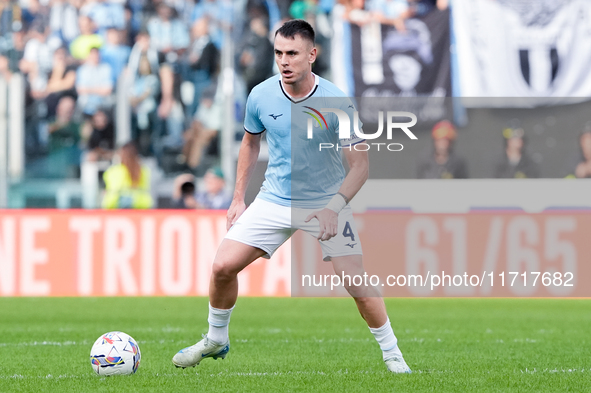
{"x": 329, "y": 223}
{"x": 234, "y": 212}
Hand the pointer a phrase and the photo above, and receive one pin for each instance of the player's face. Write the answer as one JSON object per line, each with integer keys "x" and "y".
{"x": 294, "y": 58}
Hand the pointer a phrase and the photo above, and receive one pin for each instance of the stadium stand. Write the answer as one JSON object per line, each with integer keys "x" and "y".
{"x": 80, "y": 78}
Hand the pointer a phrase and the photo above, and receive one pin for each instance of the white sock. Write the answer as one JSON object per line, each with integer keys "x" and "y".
{"x": 218, "y": 324}
{"x": 388, "y": 343}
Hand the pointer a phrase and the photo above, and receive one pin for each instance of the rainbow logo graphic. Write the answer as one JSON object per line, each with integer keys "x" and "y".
{"x": 316, "y": 117}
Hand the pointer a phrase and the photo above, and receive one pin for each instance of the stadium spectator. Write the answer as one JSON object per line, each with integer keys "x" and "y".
{"x": 202, "y": 61}
{"x": 11, "y": 17}
{"x": 204, "y": 128}
{"x": 37, "y": 59}
{"x": 583, "y": 168}
{"x": 36, "y": 15}
{"x": 168, "y": 34}
{"x": 215, "y": 195}
{"x": 60, "y": 157}
{"x": 94, "y": 83}
{"x": 171, "y": 112}
{"x": 114, "y": 53}
{"x": 63, "y": 20}
{"x": 356, "y": 13}
{"x": 100, "y": 134}
{"x": 169, "y": 121}
{"x": 105, "y": 14}
{"x": 170, "y": 37}
{"x": 256, "y": 54}
{"x": 135, "y": 17}
{"x": 61, "y": 81}
{"x": 515, "y": 163}
{"x": 15, "y": 50}
{"x": 127, "y": 184}
{"x": 64, "y": 140}
{"x": 81, "y": 46}
{"x": 142, "y": 97}
{"x": 142, "y": 47}
{"x": 219, "y": 15}
{"x": 441, "y": 162}
{"x": 183, "y": 195}
{"x": 390, "y": 12}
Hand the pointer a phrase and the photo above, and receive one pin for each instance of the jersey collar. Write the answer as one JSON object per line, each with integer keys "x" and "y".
{"x": 296, "y": 100}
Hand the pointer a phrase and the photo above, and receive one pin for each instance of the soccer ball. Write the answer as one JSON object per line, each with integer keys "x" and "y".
{"x": 115, "y": 353}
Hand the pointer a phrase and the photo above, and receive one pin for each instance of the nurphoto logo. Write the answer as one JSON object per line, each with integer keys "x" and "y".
{"x": 392, "y": 122}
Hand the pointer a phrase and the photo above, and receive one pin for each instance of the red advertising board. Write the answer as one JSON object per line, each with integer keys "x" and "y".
{"x": 169, "y": 253}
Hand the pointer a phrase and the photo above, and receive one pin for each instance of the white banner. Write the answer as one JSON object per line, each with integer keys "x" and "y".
{"x": 523, "y": 48}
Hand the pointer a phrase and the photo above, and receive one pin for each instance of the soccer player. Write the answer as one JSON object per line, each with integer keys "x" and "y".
{"x": 269, "y": 221}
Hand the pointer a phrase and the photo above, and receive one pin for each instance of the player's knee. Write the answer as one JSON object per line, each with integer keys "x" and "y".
{"x": 222, "y": 271}
{"x": 362, "y": 294}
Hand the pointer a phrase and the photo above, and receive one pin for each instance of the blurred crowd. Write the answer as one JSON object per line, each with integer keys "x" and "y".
{"x": 515, "y": 161}
{"x": 76, "y": 54}
{"x": 79, "y": 56}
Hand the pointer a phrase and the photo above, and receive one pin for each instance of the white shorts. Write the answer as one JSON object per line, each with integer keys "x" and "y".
{"x": 267, "y": 226}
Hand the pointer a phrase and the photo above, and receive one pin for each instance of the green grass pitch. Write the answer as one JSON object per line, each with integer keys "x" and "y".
{"x": 290, "y": 344}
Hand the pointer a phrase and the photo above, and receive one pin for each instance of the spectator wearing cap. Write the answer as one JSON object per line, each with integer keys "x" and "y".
{"x": 515, "y": 163}
{"x": 215, "y": 195}
{"x": 81, "y": 46}
{"x": 94, "y": 83}
{"x": 441, "y": 162}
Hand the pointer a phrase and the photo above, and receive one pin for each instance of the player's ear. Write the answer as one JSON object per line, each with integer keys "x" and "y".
{"x": 313, "y": 53}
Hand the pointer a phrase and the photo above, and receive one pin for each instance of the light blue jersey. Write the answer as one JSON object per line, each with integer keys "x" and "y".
{"x": 310, "y": 177}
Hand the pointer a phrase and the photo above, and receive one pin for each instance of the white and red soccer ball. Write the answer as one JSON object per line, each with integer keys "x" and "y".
{"x": 115, "y": 353}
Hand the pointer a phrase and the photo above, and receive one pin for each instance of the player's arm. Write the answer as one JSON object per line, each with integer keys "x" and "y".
{"x": 358, "y": 173}
{"x": 247, "y": 160}
{"x": 328, "y": 218}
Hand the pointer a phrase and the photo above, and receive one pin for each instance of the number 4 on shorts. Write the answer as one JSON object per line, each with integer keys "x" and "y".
{"x": 348, "y": 232}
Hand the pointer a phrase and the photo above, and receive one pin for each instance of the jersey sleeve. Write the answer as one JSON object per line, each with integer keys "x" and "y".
{"x": 349, "y": 107}
{"x": 252, "y": 120}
